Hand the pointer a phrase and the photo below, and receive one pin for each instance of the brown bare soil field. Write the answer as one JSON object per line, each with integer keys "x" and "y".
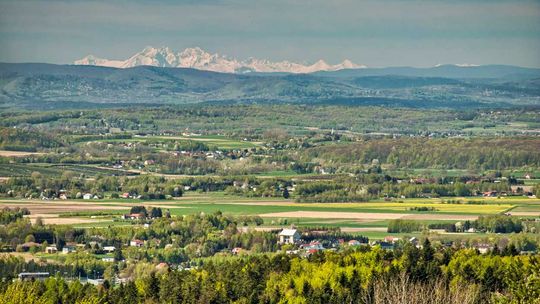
{"x": 525, "y": 213}
{"x": 6, "y": 153}
{"x": 55, "y": 207}
{"x": 363, "y": 229}
{"x": 54, "y": 219}
{"x": 450, "y": 217}
{"x": 335, "y": 215}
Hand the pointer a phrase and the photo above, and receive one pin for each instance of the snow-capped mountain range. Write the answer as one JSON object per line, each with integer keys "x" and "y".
{"x": 198, "y": 58}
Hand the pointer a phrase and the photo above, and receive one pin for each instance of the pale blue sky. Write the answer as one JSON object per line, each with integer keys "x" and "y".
{"x": 376, "y": 33}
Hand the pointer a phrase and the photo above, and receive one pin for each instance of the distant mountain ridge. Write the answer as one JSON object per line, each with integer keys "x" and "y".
{"x": 40, "y": 85}
{"x": 200, "y": 59}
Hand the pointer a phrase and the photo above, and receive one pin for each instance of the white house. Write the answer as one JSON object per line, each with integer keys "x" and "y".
{"x": 109, "y": 249}
{"x": 136, "y": 243}
{"x": 51, "y": 249}
{"x": 289, "y": 236}
{"x": 483, "y": 248}
{"x": 87, "y": 196}
{"x": 354, "y": 243}
{"x": 68, "y": 249}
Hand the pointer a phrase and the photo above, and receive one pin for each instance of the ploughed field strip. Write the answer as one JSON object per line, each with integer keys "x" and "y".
{"x": 6, "y": 153}
{"x": 369, "y": 216}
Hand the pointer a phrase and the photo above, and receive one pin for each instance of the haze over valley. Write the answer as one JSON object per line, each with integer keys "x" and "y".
{"x": 270, "y": 151}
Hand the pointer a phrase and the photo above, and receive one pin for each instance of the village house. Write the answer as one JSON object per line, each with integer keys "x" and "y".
{"x": 133, "y": 216}
{"x": 51, "y": 249}
{"x": 522, "y": 189}
{"x": 415, "y": 242}
{"x": 87, "y": 196}
{"x": 483, "y": 248}
{"x": 385, "y": 245}
{"x": 391, "y": 239}
{"x": 62, "y": 194}
{"x": 354, "y": 243}
{"x": 109, "y": 249}
{"x": 313, "y": 246}
{"x": 136, "y": 243}
{"x": 23, "y": 276}
{"x": 490, "y": 194}
{"x": 289, "y": 236}
{"x": 69, "y": 248}
{"x": 236, "y": 250}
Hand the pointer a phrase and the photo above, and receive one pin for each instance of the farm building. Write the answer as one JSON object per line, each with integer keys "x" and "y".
{"x": 289, "y": 236}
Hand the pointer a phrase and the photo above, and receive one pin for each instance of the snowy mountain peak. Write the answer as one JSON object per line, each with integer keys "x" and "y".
{"x": 198, "y": 58}
{"x": 347, "y": 64}
{"x": 93, "y": 60}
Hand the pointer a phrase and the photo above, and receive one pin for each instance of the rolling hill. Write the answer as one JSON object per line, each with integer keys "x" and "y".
{"x": 37, "y": 85}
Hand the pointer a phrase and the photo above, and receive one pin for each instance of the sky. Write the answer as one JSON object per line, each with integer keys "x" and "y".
{"x": 377, "y": 33}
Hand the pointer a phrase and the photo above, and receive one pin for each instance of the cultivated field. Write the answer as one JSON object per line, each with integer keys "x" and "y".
{"x": 276, "y": 212}
{"x": 5, "y": 153}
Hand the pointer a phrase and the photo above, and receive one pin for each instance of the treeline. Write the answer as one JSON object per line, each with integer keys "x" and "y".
{"x": 360, "y": 189}
{"x": 404, "y": 226}
{"x": 412, "y": 275}
{"x": 16, "y": 139}
{"x": 487, "y": 223}
{"x": 499, "y": 224}
{"x": 187, "y": 165}
{"x": 33, "y": 117}
{"x": 254, "y": 120}
{"x": 8, "y": 215}
{"x": 495, "y": 223}
{"x": 72, "y": 185}
{"x": 442, "y": 153}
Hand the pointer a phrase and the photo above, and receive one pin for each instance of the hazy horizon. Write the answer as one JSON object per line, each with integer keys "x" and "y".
{"x": 373, "y": 33}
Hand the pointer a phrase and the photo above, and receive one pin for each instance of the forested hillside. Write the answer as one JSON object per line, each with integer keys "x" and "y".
{"x": 63, "y": 86}
{"x": 436, "y": 153}
{"x": 413, "y": 275}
